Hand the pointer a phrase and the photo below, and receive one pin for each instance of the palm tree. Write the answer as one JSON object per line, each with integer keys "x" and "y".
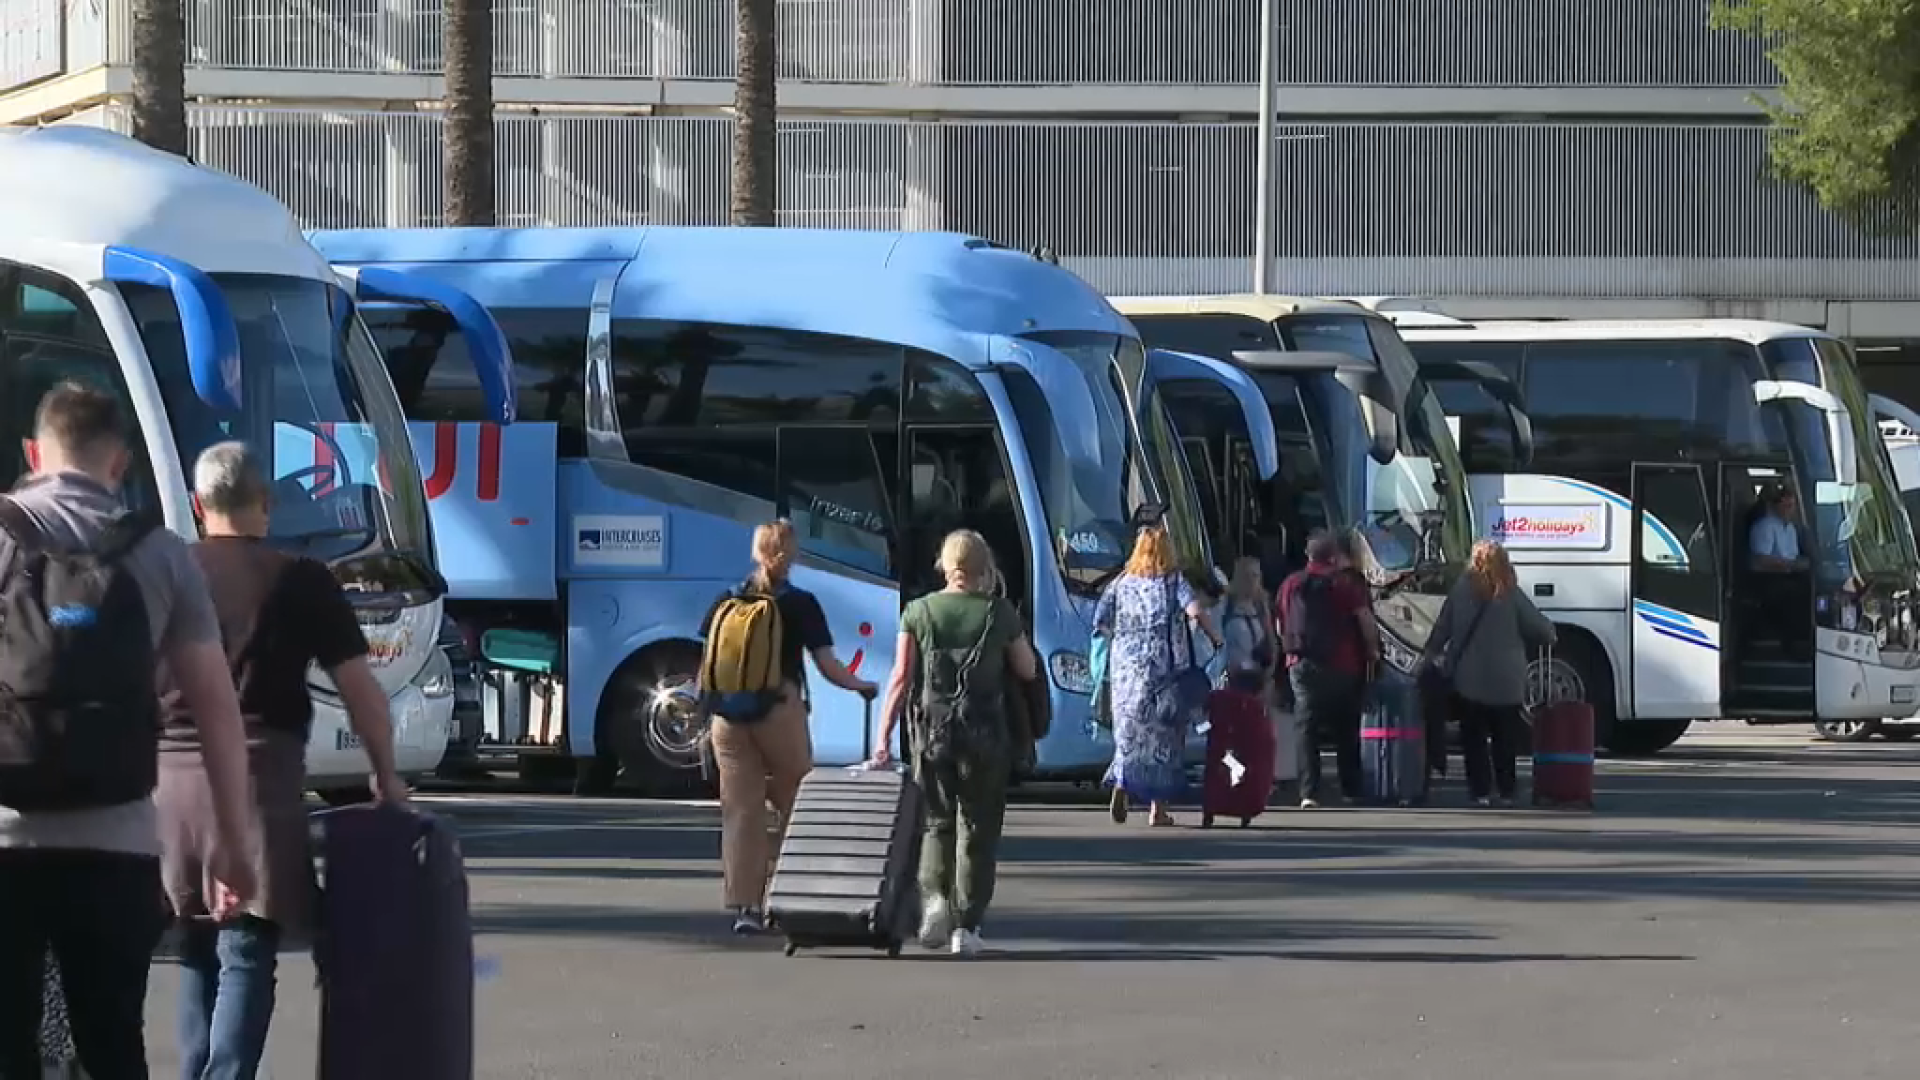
{"x": 756, "y": 151}
{"x": 467, "y": 174}
{"x": 160, "y": 75}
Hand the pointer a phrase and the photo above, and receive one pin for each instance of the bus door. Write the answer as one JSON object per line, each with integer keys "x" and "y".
{"x": 1260, "y": 442}
{"x": 832, "y": 487}
{"x": 1676, "y": 595}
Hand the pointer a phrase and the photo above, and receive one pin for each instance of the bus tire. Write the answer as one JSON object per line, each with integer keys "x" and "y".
{"x": 1579, "y": 672}
{"x": 651, "y": 718}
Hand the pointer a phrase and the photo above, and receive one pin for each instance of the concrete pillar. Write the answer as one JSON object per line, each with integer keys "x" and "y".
{"x": 925, "y": 209}
{"x": 925, "y": 39}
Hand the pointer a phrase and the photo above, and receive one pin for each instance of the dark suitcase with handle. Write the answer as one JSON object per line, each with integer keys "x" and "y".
{"x": 1393, "y": 745}
{"x": 393, "y": 948}
{"x": 1239, "y": 726}
{"x": 1562, "y": 751}
{"x": 847, "y": 869}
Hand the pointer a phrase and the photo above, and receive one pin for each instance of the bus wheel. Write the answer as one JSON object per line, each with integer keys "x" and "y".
{"x": 652, "y": 712}
{"x": 1846, "y": 730}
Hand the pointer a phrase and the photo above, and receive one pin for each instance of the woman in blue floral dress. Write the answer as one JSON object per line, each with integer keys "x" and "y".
{"x": 1144, "y": 614}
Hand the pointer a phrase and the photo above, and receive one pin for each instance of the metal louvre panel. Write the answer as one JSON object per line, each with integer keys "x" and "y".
{"x": 1375, "y": 43}
{"x": 1452, "y": 209}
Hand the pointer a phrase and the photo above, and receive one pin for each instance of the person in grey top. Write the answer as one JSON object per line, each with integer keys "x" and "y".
{"x": 87, "y": 882}
{"x": 1480, "y": 644}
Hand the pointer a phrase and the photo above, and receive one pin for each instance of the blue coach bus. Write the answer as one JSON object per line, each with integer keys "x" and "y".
{"x": 677, "y": 386}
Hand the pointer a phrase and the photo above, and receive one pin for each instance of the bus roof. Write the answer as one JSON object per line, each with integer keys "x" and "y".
{"x": 1265, "y": 306}
{"x": 89, "y": 185}
{"x": 927, "y": 290}
{"x": 1751, "y": 331}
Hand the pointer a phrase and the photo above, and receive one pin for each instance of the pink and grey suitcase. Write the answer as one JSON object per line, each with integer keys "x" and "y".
{"x": 394, "y": 948}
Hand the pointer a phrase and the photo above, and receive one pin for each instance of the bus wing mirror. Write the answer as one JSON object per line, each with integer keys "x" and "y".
{"x": 1839, "y": 422}
{"x": 1164, "y": 365}
{"x": 1383, "y": 422}
{"x": 486, "y": 343}
{"x": 1498, "y": 387}
{"x": 1076, "y": 418}
{"x": 206, "y": 322}
{"x": 1379, "y": 405}
{"x": 1889, "y": 409}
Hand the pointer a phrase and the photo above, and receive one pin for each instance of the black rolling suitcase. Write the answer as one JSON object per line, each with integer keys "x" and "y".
{"x": 394, "y": 948}
{"x": 849, "y": 863}
{"x": 1393, "y": 745}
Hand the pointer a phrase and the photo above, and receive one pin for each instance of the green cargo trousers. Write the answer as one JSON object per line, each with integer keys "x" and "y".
{"x": 966, "y": 802}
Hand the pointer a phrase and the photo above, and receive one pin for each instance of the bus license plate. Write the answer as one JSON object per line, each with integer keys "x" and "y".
{"x": 346, "y": 740}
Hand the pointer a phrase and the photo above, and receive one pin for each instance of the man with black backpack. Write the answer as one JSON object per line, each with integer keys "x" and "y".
{"x": 91, "y": 600}
{"x": 1327, "y": 631}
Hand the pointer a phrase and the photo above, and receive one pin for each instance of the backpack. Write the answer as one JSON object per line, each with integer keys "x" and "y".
{"x": 958, "y": 714}
{"x": 1310, "y": 622}
{"x": 79, "y": 712}
{"x": 740, "y": 670}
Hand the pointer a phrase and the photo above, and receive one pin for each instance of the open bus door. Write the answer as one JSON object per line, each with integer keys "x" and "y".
{"x": 1675, "y": 588}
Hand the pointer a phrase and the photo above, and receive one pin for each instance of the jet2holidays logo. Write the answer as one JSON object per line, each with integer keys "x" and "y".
{"x": 1576, "y": 525}
{"x": 626, "y": 541}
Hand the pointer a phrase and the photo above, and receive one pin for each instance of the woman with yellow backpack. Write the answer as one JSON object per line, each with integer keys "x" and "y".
{"x": 753, "y": 677}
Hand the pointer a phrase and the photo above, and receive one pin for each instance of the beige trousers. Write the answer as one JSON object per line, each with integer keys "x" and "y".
{"x": 760, "y": 763}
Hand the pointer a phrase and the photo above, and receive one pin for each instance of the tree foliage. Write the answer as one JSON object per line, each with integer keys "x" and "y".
{"x": 1848, "y": 126}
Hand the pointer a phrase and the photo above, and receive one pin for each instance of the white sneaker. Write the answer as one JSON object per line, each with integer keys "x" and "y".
{"x": 936, "y": 922}
{"x": 966, "y": 943}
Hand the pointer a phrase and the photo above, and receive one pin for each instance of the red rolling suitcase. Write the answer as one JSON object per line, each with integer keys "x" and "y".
{"x": 394, "y": 948}
{"x": 1240, "y": 726}
{"x": 1563, "y": 754}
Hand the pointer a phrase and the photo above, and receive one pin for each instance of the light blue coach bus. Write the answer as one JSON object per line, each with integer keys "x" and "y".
{"x": 677, "y": 386}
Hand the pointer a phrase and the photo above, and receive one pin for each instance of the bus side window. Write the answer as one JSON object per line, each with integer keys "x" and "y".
{"x": 49, "y": 334}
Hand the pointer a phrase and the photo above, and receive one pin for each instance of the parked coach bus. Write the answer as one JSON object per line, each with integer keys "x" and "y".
{"x": 1652, "y": 444}
{"x": 677, "y": 386}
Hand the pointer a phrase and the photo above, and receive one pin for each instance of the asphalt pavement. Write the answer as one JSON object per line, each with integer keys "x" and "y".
{"x": 1740, "y": 907}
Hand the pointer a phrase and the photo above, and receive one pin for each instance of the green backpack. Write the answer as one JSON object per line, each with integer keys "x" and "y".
{"x": 958, "y": 713}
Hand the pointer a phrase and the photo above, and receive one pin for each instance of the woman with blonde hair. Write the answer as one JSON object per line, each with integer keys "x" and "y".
{"x": 1248, "y": 620}
{"x": 1144, "y": 613}
{"x": 1480, "y": 647}
{"x": 957, "y": 649}
{"x": 762, "y": 758}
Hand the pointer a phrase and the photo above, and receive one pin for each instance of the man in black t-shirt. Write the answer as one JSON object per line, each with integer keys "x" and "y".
{"x": 278, "y": 614}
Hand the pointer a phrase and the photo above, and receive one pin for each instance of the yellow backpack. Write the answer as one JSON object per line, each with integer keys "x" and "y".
{"x": 740, "y": 670}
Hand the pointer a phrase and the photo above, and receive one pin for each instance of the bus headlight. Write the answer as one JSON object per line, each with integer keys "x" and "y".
{"x": 1071, "y": 672}
{"x": 436, "y": 675}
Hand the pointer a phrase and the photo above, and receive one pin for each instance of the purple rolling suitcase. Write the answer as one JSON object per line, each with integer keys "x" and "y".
{"x": 394, "y": 948}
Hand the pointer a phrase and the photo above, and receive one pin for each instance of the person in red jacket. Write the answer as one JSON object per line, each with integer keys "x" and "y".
{"x": 1324, "y": 616}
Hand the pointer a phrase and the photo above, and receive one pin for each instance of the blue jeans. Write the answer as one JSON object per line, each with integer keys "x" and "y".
{"x": 226, "y": 997}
